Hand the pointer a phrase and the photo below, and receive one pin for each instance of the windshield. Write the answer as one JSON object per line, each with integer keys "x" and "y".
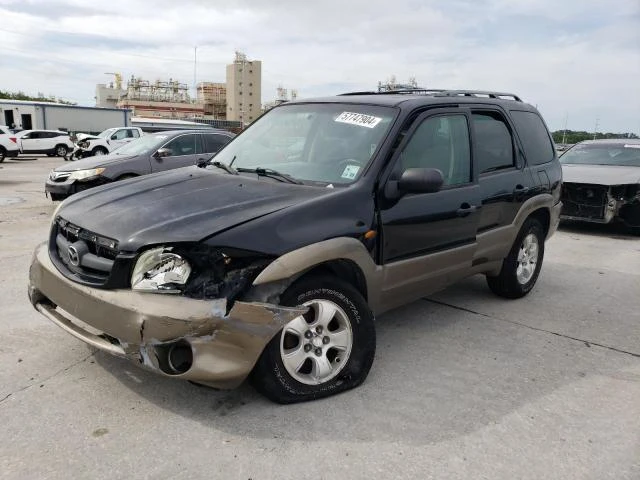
{"x": 107, "y": 132}
{"x": 147, "y": 144}
{"x": 603, "y": 154}
{"x": 328, "y": 143}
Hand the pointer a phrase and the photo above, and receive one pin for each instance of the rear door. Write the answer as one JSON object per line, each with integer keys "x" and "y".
{"x": 184, "y": 150}
{"x": 428, "y": 240}
{"x": 505, "y": 181}
{"x": 213, "y": 142}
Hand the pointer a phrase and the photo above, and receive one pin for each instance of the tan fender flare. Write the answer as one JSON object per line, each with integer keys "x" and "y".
{"x": 303, "y": 259}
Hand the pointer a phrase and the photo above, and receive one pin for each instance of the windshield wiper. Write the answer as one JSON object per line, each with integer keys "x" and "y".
{"x": 269, "y": 172}
{"x": 221, "y": 165}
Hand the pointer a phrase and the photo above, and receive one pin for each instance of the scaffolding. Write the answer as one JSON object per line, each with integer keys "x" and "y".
{"x": 391, "y": 84}
{"x": 158, "y": 91}
{"x": 213, "y": 97}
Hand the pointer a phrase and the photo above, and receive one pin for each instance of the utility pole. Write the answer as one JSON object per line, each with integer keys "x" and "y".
{"x": 564, "y": 132}
{"x": 595, "y": 130}
{"x": 195, "y": 69}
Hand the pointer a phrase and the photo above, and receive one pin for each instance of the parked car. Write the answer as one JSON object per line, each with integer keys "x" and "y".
{"x": 151, "y": 153}
{"x": 51, "y": 142}
{"x": 602, "y": 182}
{"x": 270, "y": 261}
{"x": 105, "y": 142}
{"x": 8, "y": 143}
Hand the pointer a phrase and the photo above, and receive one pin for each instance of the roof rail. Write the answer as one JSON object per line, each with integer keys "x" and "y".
{"x": 478, "y": 93}
{"x": 439, "y": 92}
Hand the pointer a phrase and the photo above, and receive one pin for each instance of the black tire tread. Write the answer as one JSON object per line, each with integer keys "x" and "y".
{"x": 271, "y": 379}
{"x": 505, "y": 284}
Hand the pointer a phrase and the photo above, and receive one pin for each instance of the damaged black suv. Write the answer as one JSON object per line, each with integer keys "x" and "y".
{"x": 270, "y": 261}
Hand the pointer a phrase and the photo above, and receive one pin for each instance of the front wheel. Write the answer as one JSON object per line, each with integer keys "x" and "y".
{"x": 61, "y": 151}
{"x": 328, "y": 350}
{"x": 520, "y": 269}
{"x": 99, "y": 151}
{"x": 3, "y": 154}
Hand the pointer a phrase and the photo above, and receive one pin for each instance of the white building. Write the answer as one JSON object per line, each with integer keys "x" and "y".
{"x": 29, "y": 115}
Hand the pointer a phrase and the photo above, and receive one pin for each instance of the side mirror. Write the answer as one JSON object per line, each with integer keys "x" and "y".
{"x": 163, "y": 152}
{"x": 114, "y": 137}
{"x": 420, "y": 180}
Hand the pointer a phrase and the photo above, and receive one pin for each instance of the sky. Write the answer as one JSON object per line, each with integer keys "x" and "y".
{"x": 577, "y": 60}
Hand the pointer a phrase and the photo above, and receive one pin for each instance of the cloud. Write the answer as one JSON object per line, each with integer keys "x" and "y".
{"x": 580, "y": 58}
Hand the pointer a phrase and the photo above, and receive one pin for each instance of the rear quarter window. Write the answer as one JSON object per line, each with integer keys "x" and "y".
{"x": 535, "y": 138}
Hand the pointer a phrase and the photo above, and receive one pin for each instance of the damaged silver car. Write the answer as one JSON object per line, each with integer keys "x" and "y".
{"x": 602, "y": 182}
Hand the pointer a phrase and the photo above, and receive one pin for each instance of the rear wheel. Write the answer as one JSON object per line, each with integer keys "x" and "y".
{"x": 521, "y": 267}
{"x": 328, "y": 350}
{"x": 3, "y": 154}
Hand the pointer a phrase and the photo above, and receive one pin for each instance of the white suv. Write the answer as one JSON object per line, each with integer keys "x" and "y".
{"x": 105, "y": 142}
{"x": 51, "y": 142}
{"x": 8, "y": 144}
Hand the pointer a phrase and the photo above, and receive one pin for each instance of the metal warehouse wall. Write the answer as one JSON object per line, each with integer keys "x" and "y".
{"x": 89, "y": 120}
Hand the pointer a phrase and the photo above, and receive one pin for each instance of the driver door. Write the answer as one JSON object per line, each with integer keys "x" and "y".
{"x": 428, "y": 239}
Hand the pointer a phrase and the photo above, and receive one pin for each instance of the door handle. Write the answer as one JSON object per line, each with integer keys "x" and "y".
{"x": 520, "y": 189}
{"x": 466, "y": 209}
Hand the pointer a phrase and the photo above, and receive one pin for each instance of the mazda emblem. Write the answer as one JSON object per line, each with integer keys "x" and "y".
{"x": 74, "y": 257}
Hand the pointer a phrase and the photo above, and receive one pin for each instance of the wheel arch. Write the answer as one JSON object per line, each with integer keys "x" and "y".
{"x": 344, "y": 257}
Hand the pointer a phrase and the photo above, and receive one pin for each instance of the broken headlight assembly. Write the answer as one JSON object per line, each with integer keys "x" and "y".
{"x": 160, "y": 270}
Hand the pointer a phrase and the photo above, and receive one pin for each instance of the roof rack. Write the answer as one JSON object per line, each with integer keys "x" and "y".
{"x": 439, "y": 92}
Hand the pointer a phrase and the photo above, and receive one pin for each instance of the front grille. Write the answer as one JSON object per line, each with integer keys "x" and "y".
{"x": 82, "y": 254}
{"x": 584, "y": 200}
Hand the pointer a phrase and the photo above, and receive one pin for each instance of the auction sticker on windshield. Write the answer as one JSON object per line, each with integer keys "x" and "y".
{"x": 350, "y": 172}
{"x": 359, "y": 119}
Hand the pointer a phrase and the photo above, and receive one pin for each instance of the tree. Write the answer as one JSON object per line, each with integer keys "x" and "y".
{"x": 39, "y": 98}
{"x": 572, "y": 137}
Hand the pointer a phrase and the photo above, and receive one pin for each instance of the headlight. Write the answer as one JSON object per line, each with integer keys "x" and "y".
{"x": 85, "y": 174}
{"x": 55, "y": 212}
{"x": 161, "y": 271}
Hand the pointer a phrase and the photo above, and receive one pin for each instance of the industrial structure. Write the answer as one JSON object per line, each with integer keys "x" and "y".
{"x": 227, "y": 105}
{"x": 391, "y": 84}
{"x": 282, "y": 97}
{"x": 244, "y": 89}
{"x": 212, "y": 97}
{"x": 166, "y": 99}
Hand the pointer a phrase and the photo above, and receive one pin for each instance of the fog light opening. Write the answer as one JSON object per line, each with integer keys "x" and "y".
{"x": 180, "y": 357}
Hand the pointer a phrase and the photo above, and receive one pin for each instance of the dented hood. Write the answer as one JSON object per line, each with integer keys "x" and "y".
{"x": 186, "y": 204}
{"x": 600, "y": 174}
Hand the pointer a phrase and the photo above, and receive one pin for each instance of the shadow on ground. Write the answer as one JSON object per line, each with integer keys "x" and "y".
{"x": 439, "y": 373}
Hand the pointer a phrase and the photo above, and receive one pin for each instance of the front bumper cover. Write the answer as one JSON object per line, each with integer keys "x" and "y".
{"x": 143, "y": 327}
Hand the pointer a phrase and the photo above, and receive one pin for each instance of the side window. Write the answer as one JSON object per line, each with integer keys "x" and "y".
{"x": 213, "y": 143}
{"x": 183, "y": 145}
{"x": 133, "y": 133}
{"x": 441, "y": 142}
{"x": 535, "y": 138}
{"x": 119, "y": 135}
{"x": 494, "y": 144}
{"x": 36, "y": 135}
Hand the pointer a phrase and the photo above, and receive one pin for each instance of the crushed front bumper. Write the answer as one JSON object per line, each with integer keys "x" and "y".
{"x": 172, "y": 335}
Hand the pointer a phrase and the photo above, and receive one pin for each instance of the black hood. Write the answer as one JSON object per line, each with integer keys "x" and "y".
{"x": 182, "y": 205}
{"x": 95, "y": 162}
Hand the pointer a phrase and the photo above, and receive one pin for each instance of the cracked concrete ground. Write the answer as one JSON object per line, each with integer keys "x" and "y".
{"x": 465, "y": 385}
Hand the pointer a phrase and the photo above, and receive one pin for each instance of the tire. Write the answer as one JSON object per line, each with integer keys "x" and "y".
{"x": 99, "y": 151}
{"x": 351, "y": 334}
{"x": 3, "y": 154}
{"x": 61, "y": 151}
{"x": 55, "y": 197}
{"x": 515, "y": 281}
